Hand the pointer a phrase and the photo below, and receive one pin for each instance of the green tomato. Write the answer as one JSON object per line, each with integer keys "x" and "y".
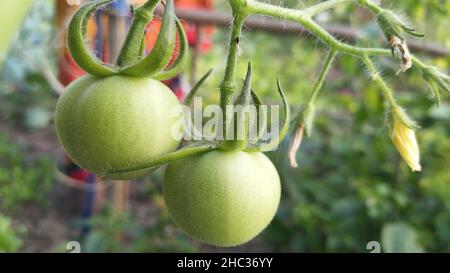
{"x": 224, "y": 198}
{"x": 112, "y": 123}
{"x": 11, "y": 15}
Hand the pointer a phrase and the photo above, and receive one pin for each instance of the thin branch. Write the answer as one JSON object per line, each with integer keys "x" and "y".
{"x": 323, "y": 73}
{"x": 388, "y": 94}
{"x": 266, "y": 24}
{"x": 300, "y": 17}
{"x": 324, "y": 6}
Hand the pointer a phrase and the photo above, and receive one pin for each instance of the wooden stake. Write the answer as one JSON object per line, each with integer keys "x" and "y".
{"x": 116, "y": 36}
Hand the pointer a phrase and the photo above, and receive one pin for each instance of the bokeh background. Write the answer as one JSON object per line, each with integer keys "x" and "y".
{"x": 351, "y": 186}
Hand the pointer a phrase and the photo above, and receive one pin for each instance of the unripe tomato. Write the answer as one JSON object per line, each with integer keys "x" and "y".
{"x": 224, "y": 198}
{"x": 116, "y": 122}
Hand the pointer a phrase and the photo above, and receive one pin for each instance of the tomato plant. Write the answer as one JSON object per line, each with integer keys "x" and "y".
{"x": 222, "y": 191}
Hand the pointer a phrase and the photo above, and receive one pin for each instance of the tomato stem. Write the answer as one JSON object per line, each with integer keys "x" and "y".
{"x": 237, "y": 139}
{"x": 306, "y": 116}
{"x": 169, "y": 157}
{"x": 387, "y": 91}
{"x": 304, "y": 19}
{"x": 162, "y": 51}
{"x": 130, "y": 52}
{"x": 323, "y": 73}
{"x": 324, "y": 6}
{"x": 228, "y": 85}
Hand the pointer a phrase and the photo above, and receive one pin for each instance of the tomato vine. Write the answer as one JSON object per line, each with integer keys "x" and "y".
{"x": 391, "y": 25}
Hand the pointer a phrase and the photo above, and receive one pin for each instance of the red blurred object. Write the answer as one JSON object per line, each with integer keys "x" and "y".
{"x": 68, "y": 69}
{"x": 192, "y": 30}
{"x": 75, "y": 172}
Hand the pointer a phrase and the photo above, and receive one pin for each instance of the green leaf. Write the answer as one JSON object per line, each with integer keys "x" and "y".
{"x": 77, "y": 42}
{"x": 193, "y": 92}
{"x": 162, "y": 51}
{"x": 180, "y": 62}
{"x": 399, "y": 237}
{"x": 260, "y": 121}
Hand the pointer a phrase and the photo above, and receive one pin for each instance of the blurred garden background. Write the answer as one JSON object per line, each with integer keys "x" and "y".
{"x": 351, "y": 186}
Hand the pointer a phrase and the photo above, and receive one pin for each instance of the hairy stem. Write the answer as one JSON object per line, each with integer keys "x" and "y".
{"x": 167, "y": 158}
{"x": 371, "y": 6}
{"x": 303, "y": 18}
{"x": 323, "y": 73}
{"x": 227, "y": 86}
{"x": 387, "y": 92}
{"x": 324, "y": 6}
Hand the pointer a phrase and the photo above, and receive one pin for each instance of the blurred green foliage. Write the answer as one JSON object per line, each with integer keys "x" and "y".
{"x": 22, "y": 180}
{"x": 399, "y": 237}
{"x": 112, "y": 233}
{"x": 351, "y": 183}
{"x": 9, "y": 236}
{"x": 25, "y": 94}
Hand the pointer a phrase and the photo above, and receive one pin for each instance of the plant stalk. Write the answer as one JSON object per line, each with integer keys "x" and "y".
{"x": 387, "y": 91}
{"x": 303, "y": 18}
{"x": 131, "y": 50}
{"x": 324, "y": 6}
{"x": 228, "y": 84}
{"x": 323, "y": 73}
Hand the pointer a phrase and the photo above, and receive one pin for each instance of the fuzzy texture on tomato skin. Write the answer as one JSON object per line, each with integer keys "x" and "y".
{"x": 112, "y": 123}
{"x": 224, "y": 198}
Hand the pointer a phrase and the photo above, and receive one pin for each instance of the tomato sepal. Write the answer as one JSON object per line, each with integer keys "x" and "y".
{"x": 77, "y": 42}
{"x": 162, "y": 51}
{"x": 180, "y": 62}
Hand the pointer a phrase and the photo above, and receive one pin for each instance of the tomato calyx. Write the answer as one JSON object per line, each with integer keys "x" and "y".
{"x": 240, "y": 140}
{"x": 131, "y": 61}
{"x": 77, "y": 42}
{"x": 273, "y": 143}
{"x": 134, "y": 50}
